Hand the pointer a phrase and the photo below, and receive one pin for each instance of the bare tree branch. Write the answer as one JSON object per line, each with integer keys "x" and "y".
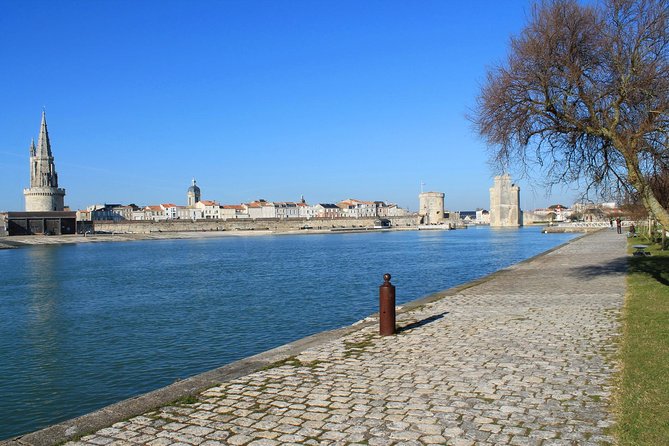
{"x": 584, "y": 94}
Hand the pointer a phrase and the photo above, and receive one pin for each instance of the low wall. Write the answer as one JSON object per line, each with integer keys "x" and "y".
{"x": 277, "y": 225}
{"x": 583, "y": 226}
{"x": 568, "y": 229}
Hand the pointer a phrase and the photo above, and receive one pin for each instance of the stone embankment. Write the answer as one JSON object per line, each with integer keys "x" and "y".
{"x": 269, "y": 224}
{"x": 149, "y": 230}
{"x": 523, "y": 357}
{"x": 585, "y": 226}
{"x": 570, "y": 229}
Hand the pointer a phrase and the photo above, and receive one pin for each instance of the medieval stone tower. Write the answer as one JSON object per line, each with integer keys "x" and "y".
{"x": 431, "y": 207}
{"x": 505, "y": 203}
{"x": 193, "y": 194}
{"x": 44, "y": 193}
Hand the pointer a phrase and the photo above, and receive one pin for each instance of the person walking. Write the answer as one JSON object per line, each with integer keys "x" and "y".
{"x": 619, "y": 225}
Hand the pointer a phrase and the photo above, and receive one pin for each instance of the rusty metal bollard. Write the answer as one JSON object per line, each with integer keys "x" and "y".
{"x": 386, "y": 307}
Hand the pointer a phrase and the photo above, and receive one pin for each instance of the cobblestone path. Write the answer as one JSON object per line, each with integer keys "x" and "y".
{"x": 525, "y": 358}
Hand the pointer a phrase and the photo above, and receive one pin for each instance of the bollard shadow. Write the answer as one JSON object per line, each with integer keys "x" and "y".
{"x": 422, "y": 322}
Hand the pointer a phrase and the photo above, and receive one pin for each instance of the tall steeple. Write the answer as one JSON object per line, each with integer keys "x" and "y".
{"x": 43, "y": 143}
{"x": 44, "y": 193}
{"x": 42, "y": 169}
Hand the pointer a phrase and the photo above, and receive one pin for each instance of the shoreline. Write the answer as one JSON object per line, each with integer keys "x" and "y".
{"x": 19, "y": 241}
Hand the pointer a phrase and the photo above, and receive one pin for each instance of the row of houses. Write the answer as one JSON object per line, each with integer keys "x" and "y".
{"x": 259, "y": 209}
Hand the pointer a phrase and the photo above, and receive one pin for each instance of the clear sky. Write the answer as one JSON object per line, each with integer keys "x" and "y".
{"x": 329, "y": 99}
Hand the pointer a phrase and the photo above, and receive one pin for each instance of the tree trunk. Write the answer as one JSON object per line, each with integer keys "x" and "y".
{"x": 648, "y": 198}
{"x": 654, "y": 207}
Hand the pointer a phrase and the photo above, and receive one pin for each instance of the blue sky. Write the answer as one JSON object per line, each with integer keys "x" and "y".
{"x": 255, "y": 99}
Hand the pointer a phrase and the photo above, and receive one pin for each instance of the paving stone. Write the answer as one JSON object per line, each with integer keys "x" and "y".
{"x": 264, "y": 442}
{"x": 239, "y": 439}
{"x": 97, "y": 440}
{"x": 433, "y": 439}
{"x": 159, "y": 442}
{"x": 291, "y": 438}
{"x": 432, "y": 429}
{"x": 196, "y": 430}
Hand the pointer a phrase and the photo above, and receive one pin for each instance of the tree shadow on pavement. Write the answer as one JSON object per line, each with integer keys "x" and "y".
{"x": 656, "y": 267}
{"x": 421, "y": 322}
{"x": 615, "y": 267}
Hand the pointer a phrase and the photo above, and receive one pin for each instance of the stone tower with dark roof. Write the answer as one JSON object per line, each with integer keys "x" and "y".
{"x": 44, "y": 193}
{"x": 193, "y": 194}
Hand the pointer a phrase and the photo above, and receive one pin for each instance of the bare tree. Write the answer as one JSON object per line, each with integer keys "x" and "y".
{"x": 584, "y": 94}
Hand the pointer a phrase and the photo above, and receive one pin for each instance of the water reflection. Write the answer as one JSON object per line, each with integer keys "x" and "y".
{"x": 42, "y": 285}
{"x": 45, "y": 331}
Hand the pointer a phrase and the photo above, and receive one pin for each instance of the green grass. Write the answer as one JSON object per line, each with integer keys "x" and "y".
{"x": 643, "y": 399}
{"x": 293, "y": 362}
{"x": 185, "y": 400}
{"x": 357, "y": 348}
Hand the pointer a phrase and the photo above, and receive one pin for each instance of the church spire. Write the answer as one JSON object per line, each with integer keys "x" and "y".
{"x": 43, "y": 143}
{"x": 44, "y": 193}
{"x": 43, "y": 171}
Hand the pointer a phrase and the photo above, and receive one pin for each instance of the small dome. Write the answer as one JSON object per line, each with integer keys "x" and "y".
{"x": 194, "y": 189}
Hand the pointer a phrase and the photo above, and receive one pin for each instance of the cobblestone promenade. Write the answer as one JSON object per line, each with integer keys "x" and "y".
{"x": 525, "y": 358}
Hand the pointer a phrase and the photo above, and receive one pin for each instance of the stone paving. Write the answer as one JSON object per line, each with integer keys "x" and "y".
{"x": 525, "y": 358}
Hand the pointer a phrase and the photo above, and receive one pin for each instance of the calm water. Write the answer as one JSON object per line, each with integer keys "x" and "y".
{"x": 82, "y": 326}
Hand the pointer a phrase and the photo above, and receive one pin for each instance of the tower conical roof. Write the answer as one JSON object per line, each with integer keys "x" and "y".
{"x": 43, "y": 143}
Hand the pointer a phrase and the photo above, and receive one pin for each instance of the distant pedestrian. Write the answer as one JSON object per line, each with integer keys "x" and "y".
{"x": 611, "y": 223}
{"x": 619, "y": 226}
{"x": 632, "y": 230}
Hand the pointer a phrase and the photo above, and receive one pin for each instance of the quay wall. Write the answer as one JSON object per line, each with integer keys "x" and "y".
{"x": 270, "y": 224}
{"x": 567, "y": 229}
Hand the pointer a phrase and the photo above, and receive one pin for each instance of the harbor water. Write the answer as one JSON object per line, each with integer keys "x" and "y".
{"x": 86, "y": 325}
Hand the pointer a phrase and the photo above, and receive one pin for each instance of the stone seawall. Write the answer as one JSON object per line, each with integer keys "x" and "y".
{"x": 565, "y": 229}
{"x": 277, "y": 225}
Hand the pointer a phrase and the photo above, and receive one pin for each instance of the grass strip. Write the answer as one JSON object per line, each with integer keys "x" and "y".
{"x": 643, "y": 400}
